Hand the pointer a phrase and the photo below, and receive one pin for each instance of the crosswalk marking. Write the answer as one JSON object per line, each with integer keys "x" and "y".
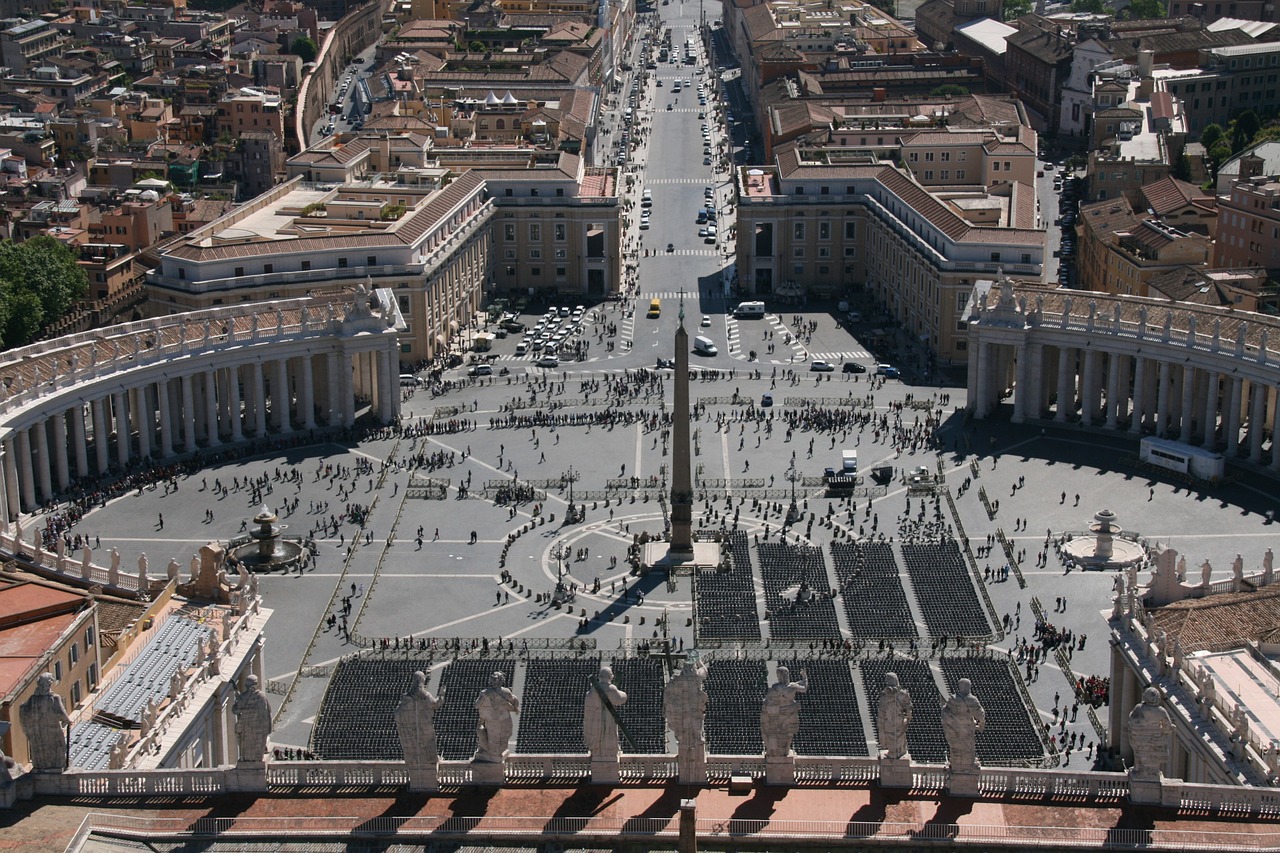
{"x": 704, "y": 181}
{"x": 848, "y": 355}
{"x": 705, "y": 253}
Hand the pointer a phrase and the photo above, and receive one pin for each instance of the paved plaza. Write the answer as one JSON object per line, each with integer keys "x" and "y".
{"x": 450, "y": 586}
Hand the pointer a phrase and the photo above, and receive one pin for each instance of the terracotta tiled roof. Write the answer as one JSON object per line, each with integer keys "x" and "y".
{"x": 1218, "y": 620}
{"x": 1170, "y": 194}
{"x": 759, "y": 23}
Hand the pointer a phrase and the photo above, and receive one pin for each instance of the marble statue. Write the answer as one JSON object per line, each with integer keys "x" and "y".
{"x": 113, "y": 578}
{"x": 37, "y": 547}
{"x": 86, "y": 562}
{"x": 1237, "y": 572}
{"x": 893, "y": 718}
{"x": 253, "y": 722}
{"x": 416, "y": 725}
{"x": 599, "y": 728}
{"x": 176, "y": 683}
{"x": 494, "y": 707}
{"x": 1268, "y": 567}
{"x": 963, "y": 717}
{"x": 172, "y": 570}
{"x": 119, "y": 752}
{"x": 684, "y": 704}
{"x": 195, "y": 567}
{"x": 142, "y": 570}
{"x": 780, "y": 714}
{"x": 7, "y": 767}
{"x": 1206, "y": 572}
{"x": 1150, "y": 732}
{"x": 43, "y": 718}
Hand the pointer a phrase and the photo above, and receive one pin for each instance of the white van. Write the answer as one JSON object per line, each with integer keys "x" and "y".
{"x": 522, "y": 348}
{"x": 409, "y": 379}
{"x": 646, "y": 198}
{"x": 704, "y": 346}
{"x": 849, "y": 460}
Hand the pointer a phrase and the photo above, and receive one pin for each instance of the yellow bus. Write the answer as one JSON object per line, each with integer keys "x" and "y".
{"x": 655, "y": 308}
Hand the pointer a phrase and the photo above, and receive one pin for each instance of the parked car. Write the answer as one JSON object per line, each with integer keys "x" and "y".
{"x": 854, "y": 367}
{"x": 821, "y": 367}
{"x": 549, "y": 361}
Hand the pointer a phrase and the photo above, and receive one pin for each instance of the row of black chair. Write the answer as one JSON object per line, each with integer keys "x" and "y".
{"x": 1008, "y": 739}
{"x": 357, "y": 714}
{"x": 725, "y": 601}
{"x": 944, "y": 590}
{"x": 871, "y": 590}
{"x": 784, "y": 569}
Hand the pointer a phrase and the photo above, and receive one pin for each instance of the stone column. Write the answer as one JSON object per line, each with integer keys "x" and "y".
{"x": 1162, "y": 400}
{"x": 234, "y": 405}
{"x": 166, "y": 418}
{"x": 332, "y": 406}
{"x": 98, "y": 409}
{"x": 1257, "y": 414}
{"x": 1089, "y": 387}
{"x": 972, "y": 379}
{"x": 386, "y": 394}
{"x": 61, "y": 468}
{"x": 1066, "y": 388}
{"x": 13, "y": 499}
{"x": 122, "y": 428}
{"x": 1186, "y": 422}
{"x": 346, "y": 390}
{"x": 1020, "y": 384}
{"x": 211, "y": 408}
{"x": 1139, "y": 394}
{"x": 1233, "y": 415}
{"x": 79, "y": 444}
{"x": 1210, "y": 410}
{"x": 1035, "y": 381}
{"x": 986, "y": 367}
{"x": 43, "y": 469}
{"x": 189, "y": 414}
{"x": 307, "y": 394}
{"x": 259, "y": 400}
{"x": 142, "y": 420}
{"x": 1275, "y": 436}
{"x": 1113, "y": 390}
{"x": 280, "y": 397}
{"x": 26, "y": 472}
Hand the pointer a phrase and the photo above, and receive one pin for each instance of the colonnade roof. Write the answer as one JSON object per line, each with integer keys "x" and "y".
{"x": 1226, "y": 323}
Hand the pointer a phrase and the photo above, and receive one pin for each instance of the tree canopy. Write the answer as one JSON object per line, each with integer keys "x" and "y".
{"x": 1145, "y": 9}
{"x": 1096, "y": 7}
{"x": 305, "y": 48}
{"x": 39, "y": 282}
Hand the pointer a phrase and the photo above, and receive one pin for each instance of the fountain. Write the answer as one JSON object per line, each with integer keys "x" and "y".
{"x": 265, "y": 549}
{"x": 1102, "y": 547}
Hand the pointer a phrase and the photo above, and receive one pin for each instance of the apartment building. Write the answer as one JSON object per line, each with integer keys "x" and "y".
{"x": 828, "y": 223}
{"x": 1249, "y": 225}
{"x": 25, "y": 45}
{"x": 1122, "y": 252}
{"x": 1228, "y": 81}
{"x": 951, "y": 156}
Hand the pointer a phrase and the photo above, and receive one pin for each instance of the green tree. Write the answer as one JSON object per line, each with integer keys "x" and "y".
{"x": 1243, "y": 129}
{"x": 1182, "y": 168}
{"x": 1146, "y": 9}
{"x": 39, "y": 282}
{"x": 305, "y": 48}
{"x": 1210, "y": 135}
{"x": 1096, "y": 7}
{"x": 950, "y": 89}
{"x": 1014, "y": 9}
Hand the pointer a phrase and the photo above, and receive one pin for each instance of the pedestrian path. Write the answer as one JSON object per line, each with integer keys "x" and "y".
{"x": 688, "y": 294}
{"x": 686, "y": 253}
{"x": 847, "y": 355}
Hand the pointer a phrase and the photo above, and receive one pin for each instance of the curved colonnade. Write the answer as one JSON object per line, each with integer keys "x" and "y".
{"x": 83, "y": 406}
{"x": 1200, "y": 375}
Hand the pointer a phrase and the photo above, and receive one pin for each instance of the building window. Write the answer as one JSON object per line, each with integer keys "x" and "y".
{"x": 342, "y": 263}
{"x": 824, "y": 251}
{"x": 959, "y": 174}
{"x": 561, "y": 254}
{"x": 57, "y": 670}
{"x": 1026, "y": 257}
{"x": 535, "y": 254}
{"x": 799, "y": 190}
{"x": 510, "y": 192}
{"x": 509, "y": 254}
{"x": 535, "y": 271}
{"x": 799, "y": 231}
{"x": 851, "y": 230}
{"x": 306, "y": 265}
{"x": 73, "y": 655}
{"x": 533, "y": 192}
{"x": 799, "y": 268}
{"x": 91, "y": 676}
{"x": 239, "y": 272}
{"x": 561, "y": 272}
{"x": 268, "y": 268}
{"x": 509, "y": 232}
{"x": 535, "y": 231}
{"x": 75, "y": 692}
{"x": 561, "y": 231}
{"x": 88, "y": 638}
{"x": 560, "y": 192}
{"x": 995, "y": 257}
{"x": 824, "y": 230}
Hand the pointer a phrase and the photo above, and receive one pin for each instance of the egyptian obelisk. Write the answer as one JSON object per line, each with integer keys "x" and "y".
{"x": 681, "y": 474}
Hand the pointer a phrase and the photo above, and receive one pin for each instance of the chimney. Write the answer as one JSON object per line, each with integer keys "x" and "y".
{"x": 879, "y": 94}
{"x": 1250, "y": 166}
{"x": 1146, "y": 62}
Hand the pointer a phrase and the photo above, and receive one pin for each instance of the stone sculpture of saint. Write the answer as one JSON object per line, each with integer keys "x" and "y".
{"x": 780, "y": 714}
{"x": 1150, "y": 732}
{"x": 599, "y": 728}
{"x": 893, "y": 718}
{"x": 494, "y": 707}
{"x": 253, "y": 722}
{"x": 416, "y": 724}
{"x": 44, "y": 719}
{"x": 962, "y": 718}
{"x": 684, "y": 704}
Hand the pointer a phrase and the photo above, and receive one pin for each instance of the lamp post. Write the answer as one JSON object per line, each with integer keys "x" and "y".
{"x": 793, "y": 511}
{"x": 573, "y": 516}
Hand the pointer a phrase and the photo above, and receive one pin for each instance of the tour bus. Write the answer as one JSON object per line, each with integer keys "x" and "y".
{"x": 655, "y": 308}
{"x": 749, "y": 310}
